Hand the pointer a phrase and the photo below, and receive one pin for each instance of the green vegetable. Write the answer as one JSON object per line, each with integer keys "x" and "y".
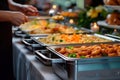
{"x": 104, "y": 54}
{"x": 53, "y": 38}
{"x": 72, "y": 55}
{"x": 69, "y": 47}
{"x": 61, "y": 40}
{"x": 82, "y": 56}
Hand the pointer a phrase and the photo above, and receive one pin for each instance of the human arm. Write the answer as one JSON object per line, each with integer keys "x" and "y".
{"x": 26, "y": 9}
{"x": 16, "y": 18}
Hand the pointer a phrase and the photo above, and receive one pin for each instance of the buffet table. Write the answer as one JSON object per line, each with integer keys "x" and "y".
{"x": 27, "y": 67}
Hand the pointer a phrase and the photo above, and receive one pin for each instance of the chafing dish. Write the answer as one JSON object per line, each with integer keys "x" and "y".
{"x": 103, "y": 68}
{"x": 96, "y": 35}
{"x": 42, "y": 26}
{"x": 24, "y": 34}
{"x": 21, "y": 33}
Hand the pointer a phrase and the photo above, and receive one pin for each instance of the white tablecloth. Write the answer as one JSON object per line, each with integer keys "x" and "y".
{"x": 27, "y": 67}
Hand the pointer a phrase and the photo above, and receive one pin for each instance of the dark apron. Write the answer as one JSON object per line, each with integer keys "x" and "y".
{"x": 20, "y": 1}
{"x": 5, "y": 46}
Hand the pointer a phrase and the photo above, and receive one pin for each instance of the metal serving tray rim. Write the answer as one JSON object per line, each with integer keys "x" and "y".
{"x": 85, "y": 31}
{"x": 98, "y": 35}
{"x": 33, "y": 35}
{"x": 39, "y": 35}
{"x": 52, "y": 48}
{"x": 114, "y": 36}
{"x": 39, "y": 17}
{"x": 46, "y": 34}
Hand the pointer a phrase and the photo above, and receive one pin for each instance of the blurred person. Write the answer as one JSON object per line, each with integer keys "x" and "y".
{"x": 43, "y": 5}
{"x": 7, "y": 19}
{"x": 93, "y": 3}
{"x": 31, "y": 2}
{"x": 20, "y": 1}
{"x": 25, "y": 8}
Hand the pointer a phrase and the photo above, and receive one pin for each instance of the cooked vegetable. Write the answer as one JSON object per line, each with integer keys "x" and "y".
{"x": 92, "y": 51}
{"x": 82, "y": 56}
{"x": 72, "y": 55}
{"x": 69, "y": 47}
{"x": 72, "y": 39}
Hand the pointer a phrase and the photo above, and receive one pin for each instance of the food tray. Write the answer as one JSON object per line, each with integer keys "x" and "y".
{"x": 82, "y": 31}
{"x": 113, "y": 7}
{"x": 113, "y": 36}
{"x": 21, "y": 33}
{"x": 45, "y": 35}
{"x": 69, "y": 48}
{"x": 103, "y": 68}
{"x": 45, "y": 27}
{"x": 97, "y": 35}
{"x": 103, "y": 23}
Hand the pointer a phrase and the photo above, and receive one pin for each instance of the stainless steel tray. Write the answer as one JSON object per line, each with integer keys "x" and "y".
{"x": 21, "y": 33}
{"x": 113, "y": 36}
{"x": 42, "y": 35}
{"x": 82, "y": 30}
{"x": 104, "y": 68}
{"x": 97, "y": 35}
{"x": 52, "y": 48}
{"x": 103, "y": 23}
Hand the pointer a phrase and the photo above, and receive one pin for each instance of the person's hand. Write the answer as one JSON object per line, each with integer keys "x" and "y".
{"x": 26, "y": 9}
{"x": 17, "y": 18}
{"x": 29, "y": 10}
